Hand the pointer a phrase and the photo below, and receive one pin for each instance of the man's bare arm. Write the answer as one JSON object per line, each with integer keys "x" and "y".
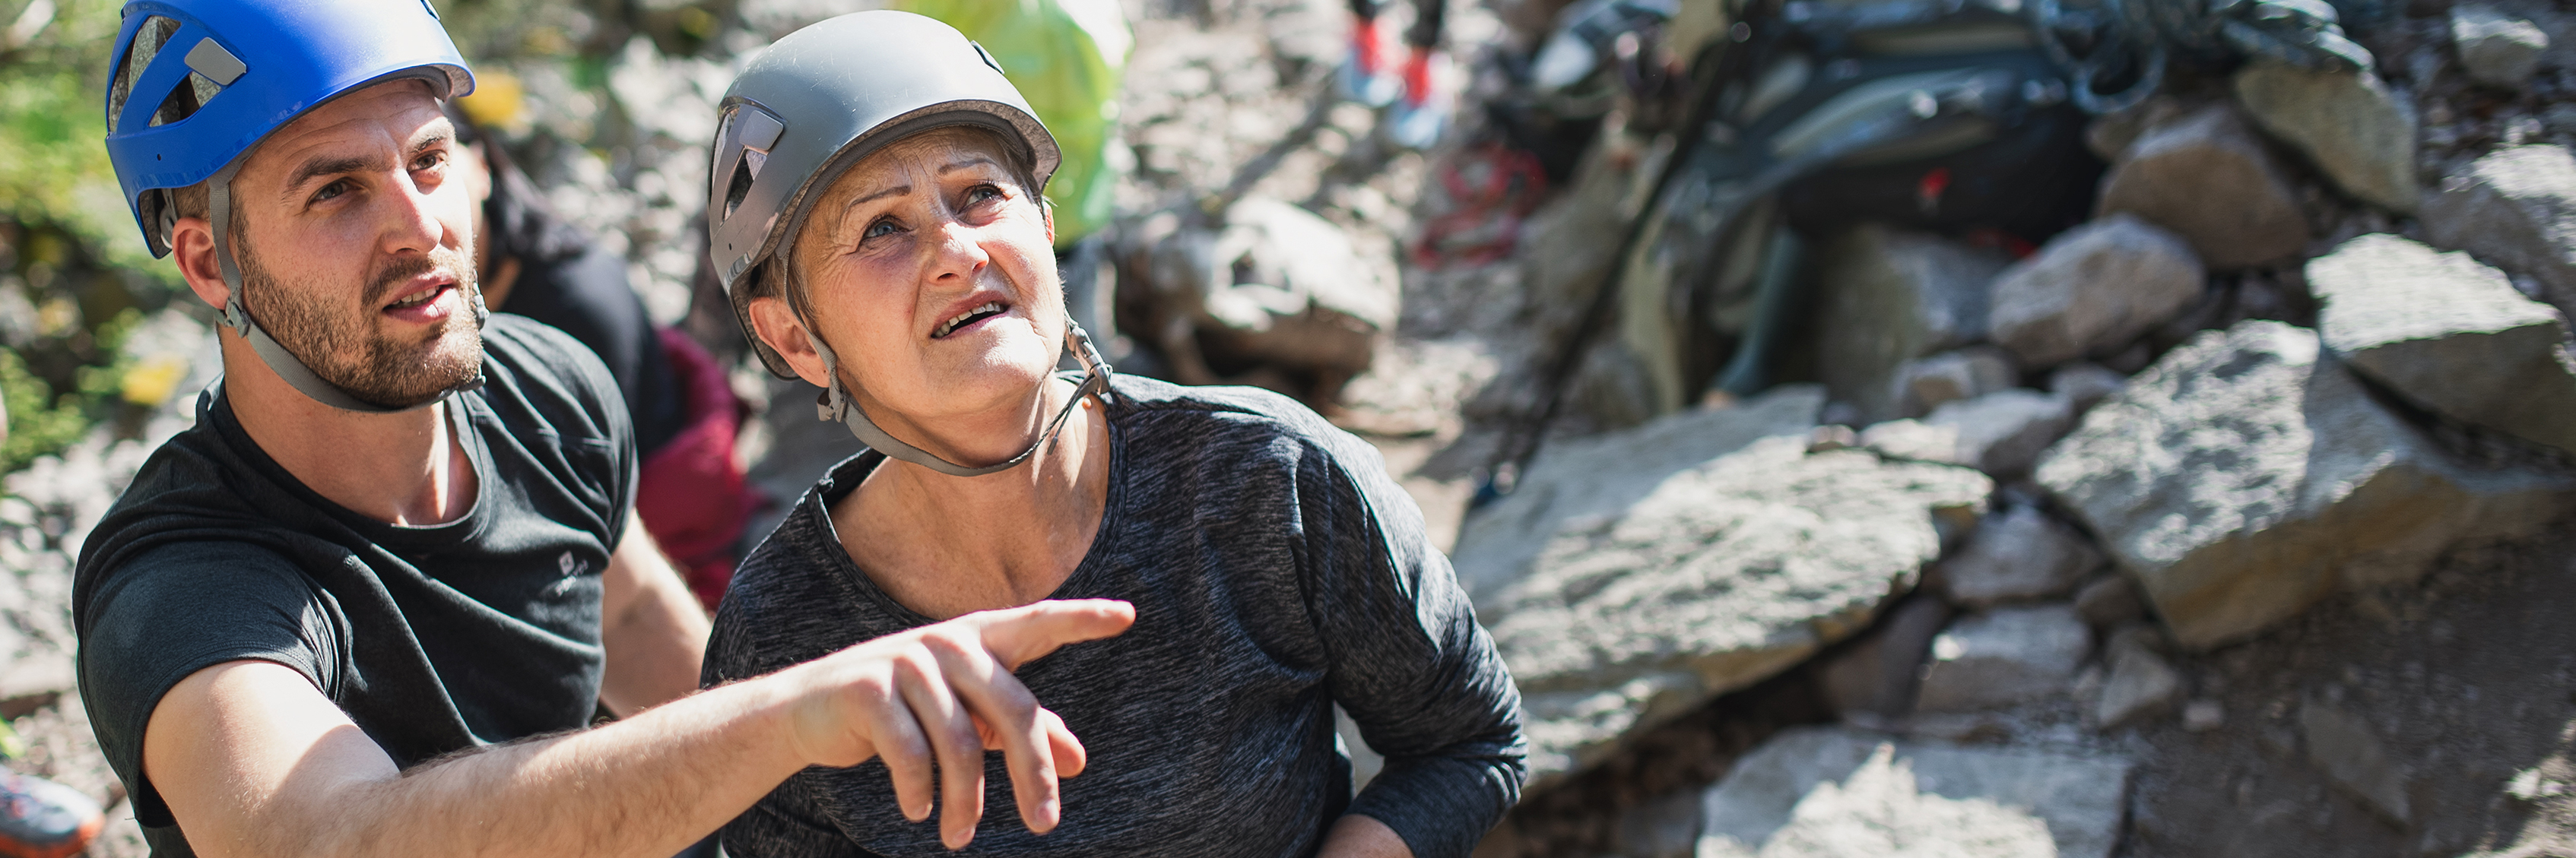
{"x": 253, "y": 761}
{"x": 652, "y": 627}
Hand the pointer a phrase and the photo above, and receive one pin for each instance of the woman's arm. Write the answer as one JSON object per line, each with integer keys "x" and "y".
{"x": 1408, "y": 662}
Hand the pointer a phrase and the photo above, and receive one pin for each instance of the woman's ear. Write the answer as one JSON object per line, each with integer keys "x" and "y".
{"x": 1046, "y": 212}
{"x": 776, "y": 325}
{"x": 192, "y": 248}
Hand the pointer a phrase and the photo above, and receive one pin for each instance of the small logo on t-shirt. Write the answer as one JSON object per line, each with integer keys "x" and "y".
{"x": 569, "y": 565}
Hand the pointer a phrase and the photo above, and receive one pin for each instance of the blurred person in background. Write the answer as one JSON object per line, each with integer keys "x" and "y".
{"x": 691, "y": 493}
{"x": 1418, "y": 89}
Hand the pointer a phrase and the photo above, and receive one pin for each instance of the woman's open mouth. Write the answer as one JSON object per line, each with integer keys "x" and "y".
{"x": 962, "y": 321}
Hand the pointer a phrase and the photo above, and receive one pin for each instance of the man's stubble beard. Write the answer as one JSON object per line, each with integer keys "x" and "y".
{"x": 350, "y": 353}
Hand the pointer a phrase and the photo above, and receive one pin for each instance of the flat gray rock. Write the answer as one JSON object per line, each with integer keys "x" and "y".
{"x": 1600, "y": 476}
{"x": 2246, "y": 475}
{"x": 2084, "y": 385}
{"x": 1828, "y": 792}
{"x": 2346, "y": 122}
{"x": 2002, "y": 433}
{"x": 1954, "y": 375}
{"x": 2092, "y": 289}
{"x": 2004, "y": 657}
{"x": 2515, "y": 209}
{"x": 1890, "y": 296}
{"x": 2205, "y": 176}
{"x": 1725, "y": 574}
{"x": 2350, "y": 753}
{"x": 2140, "y": 684}
{"x": 2019, "y": 554}
{"x": 2449, "y": 334}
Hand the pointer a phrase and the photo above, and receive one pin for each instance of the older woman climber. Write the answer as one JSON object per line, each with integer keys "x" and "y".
{"x": 875, "y": 212}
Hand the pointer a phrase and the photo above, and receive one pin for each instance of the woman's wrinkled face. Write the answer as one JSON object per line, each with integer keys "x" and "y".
{"x": 929, "y": 269}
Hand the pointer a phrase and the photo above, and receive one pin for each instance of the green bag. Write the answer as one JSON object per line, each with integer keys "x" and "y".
{"x": 1069, "y": 59}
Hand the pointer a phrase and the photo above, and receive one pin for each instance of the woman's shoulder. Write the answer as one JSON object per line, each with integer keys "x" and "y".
{"x": 1232, "y": 428}
{"x": 1161, "y": 406}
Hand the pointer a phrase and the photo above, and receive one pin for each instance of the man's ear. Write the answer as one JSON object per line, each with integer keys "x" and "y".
{"x": 1046, "y": 212}
{"x": 776, "y": 324}
{"x": 192, "y": 248}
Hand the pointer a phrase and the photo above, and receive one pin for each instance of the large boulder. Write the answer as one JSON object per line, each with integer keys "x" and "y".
{"x": 2449, "y": 334}
{"x": 2247, "y": 475}
{"x": 1891, "y": 296}
{"x": 2093, "y": 289}
{"x": 2347, "y": 122}
{"x": 1269, "y": 286}
{"x": 1724, "y": 574}
{"x": 2515, "y": 208}
{"x": 1829, "y": 792}
{"x": 2205, "y": 176}
{"x": 2496, "y": 49}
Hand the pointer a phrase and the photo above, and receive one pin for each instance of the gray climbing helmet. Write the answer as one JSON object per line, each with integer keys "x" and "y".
{"x": 819, "y": 101}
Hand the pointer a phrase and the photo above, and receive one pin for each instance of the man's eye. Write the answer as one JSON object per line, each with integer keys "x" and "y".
{"x": 428, "y": 160}
{"x": 331, "y": 190}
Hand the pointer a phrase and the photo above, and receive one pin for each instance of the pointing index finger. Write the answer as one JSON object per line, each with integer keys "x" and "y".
{"x": 1019, "y": 635}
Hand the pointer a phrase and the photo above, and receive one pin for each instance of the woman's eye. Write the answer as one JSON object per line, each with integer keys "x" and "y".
{"x": 982, "y": 194}
{"x": 879, "y": 229}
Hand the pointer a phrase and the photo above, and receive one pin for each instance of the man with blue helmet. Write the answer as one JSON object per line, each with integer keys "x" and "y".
{"x": 369, "y": 604}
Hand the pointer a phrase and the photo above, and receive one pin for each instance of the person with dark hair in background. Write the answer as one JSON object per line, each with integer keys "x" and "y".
{"x": 691, "y": 495}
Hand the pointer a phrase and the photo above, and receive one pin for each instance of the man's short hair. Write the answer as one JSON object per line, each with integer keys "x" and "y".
{"x": 197, "y": 201}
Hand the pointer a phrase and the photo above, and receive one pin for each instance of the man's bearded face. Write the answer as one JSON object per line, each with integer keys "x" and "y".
{"x": 346, "y": 343}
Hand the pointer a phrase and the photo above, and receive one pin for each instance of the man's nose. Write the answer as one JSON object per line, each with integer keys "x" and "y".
{"x": 413, "y": 220}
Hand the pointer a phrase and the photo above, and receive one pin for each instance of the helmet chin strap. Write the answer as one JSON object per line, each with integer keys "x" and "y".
{"x": 836, "y": 405}
{"x": 285, "y": 363}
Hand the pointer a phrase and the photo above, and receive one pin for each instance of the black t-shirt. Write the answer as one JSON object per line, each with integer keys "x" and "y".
{"x": 587, "y": 295}
{"x": 433, "y": 639}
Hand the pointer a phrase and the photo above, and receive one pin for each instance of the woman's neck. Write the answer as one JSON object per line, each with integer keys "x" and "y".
{"x": 945, "y": 546}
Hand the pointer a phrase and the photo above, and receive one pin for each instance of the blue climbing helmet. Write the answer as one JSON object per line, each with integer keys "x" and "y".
{"x": 199, "y": 83}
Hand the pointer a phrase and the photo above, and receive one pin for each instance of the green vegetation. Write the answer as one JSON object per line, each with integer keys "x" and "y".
{"x": 74, "y": 276}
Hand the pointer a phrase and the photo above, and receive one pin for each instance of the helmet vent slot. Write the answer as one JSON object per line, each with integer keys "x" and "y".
{"x": 739, "y": 186}
{"x": 184, "y": 99}
{"x": 148, "y": 40}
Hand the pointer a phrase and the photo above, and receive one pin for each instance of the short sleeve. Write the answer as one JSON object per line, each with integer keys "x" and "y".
{"x": 558, "y": 371}
{"x": 181, "y": 608}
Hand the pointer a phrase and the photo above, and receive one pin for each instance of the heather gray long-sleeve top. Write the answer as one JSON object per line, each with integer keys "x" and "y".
{"x": 1275, "y": 569}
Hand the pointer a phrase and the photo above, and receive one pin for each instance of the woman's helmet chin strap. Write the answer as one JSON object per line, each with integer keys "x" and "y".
{"x": 836, "y": 405}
